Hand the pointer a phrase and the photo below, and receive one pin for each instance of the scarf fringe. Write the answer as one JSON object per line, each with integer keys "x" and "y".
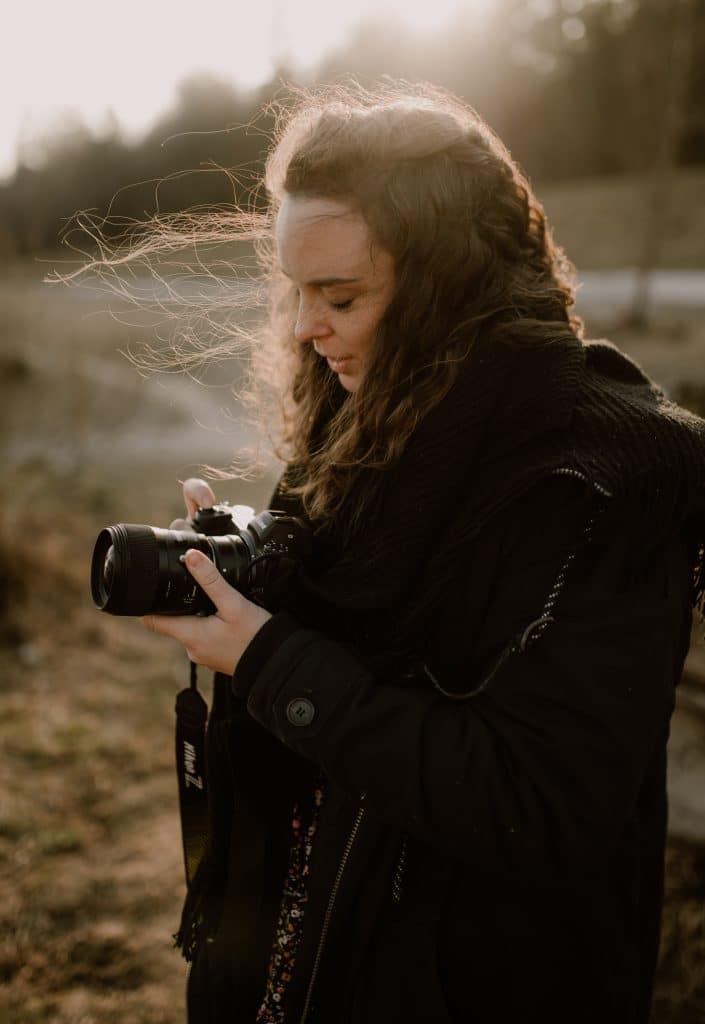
{"x": 195, "y": 923}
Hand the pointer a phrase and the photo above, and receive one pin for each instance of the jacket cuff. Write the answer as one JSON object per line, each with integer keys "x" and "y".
{"x": 266, "y": 640}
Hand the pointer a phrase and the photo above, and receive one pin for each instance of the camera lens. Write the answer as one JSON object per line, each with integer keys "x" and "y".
{"x": 125, "y": 569}
{"x": 109, "y": 569}
{"x": 137, "y": 569}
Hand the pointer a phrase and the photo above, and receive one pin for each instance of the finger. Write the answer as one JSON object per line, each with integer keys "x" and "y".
{"x": 180, "y": 524}
{"x": 197, "y": 494}
{"x": 210, "y": 580}
{"x": 178, "y": 627}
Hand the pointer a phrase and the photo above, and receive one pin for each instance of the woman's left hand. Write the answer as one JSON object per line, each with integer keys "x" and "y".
{"x": 215, "y": 641}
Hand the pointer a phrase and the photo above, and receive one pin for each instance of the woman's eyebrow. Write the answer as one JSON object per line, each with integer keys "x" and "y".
{"x": 326, "y": 282}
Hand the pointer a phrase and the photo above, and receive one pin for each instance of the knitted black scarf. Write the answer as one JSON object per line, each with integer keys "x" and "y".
{"x": 516, "y": 414}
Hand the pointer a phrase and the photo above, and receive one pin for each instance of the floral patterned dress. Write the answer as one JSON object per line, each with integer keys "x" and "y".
{"x": 287, "y": 934}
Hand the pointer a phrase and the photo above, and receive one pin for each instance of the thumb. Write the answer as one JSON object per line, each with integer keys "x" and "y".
{"x": 209, "y": 578}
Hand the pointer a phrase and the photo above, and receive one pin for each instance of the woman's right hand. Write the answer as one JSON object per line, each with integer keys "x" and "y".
{"x": 197, "y": 494}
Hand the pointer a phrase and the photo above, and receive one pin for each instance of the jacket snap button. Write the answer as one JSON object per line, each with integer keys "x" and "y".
{"x": 300, "y": 711}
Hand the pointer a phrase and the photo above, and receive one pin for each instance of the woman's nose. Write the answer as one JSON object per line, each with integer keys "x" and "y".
{"x": 310, "y": 324}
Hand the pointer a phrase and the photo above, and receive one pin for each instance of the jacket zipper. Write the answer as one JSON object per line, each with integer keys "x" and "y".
{"x": 329, "y": 908}
{"x": 398, "y": 876}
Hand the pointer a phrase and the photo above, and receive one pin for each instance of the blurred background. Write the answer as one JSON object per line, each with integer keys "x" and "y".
{"x": 162, "y": 106}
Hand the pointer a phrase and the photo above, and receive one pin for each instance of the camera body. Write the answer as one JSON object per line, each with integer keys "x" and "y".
{"x": 136, "y": 569}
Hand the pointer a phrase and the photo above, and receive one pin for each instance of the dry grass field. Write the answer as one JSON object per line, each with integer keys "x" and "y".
{"x": 90, "y": 860}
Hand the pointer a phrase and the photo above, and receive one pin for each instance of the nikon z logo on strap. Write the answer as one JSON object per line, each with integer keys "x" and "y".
{"x": 190, "y": 776}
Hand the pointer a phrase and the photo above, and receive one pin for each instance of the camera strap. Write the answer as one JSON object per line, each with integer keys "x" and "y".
{"x": 191, "y": 716}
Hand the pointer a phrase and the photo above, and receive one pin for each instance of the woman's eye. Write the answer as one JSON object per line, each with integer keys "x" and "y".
{"x": 342, "y": 305}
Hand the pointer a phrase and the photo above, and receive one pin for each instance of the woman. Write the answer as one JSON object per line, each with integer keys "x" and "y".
{"x": 437, "y": 761}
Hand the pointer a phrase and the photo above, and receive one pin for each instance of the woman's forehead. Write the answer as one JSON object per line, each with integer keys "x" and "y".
{"x": 322, "y": 238}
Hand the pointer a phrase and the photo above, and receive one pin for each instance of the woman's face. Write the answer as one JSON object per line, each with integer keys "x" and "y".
{"x": 344, "y": 281}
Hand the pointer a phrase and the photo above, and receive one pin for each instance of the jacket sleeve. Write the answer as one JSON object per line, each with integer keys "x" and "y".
{"x": 542, "y": 771}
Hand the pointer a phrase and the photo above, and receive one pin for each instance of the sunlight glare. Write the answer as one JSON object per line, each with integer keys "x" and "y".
{"x": 98, "y": 62}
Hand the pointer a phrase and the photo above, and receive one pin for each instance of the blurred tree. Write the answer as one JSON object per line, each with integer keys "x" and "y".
{"x": 675, "y": 63}
{"x": 55, "y": 171}
{"x": 576, "y": 88}
{"x": 594, "y": 83}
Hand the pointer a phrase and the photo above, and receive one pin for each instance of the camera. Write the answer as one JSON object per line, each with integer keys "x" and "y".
{"x": 136, "y": 569}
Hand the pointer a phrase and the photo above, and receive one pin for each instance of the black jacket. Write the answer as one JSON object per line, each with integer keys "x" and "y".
{"x": 496, "y": 858}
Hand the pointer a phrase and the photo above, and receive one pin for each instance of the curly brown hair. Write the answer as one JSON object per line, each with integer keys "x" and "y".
{"x": 472, "y": 253}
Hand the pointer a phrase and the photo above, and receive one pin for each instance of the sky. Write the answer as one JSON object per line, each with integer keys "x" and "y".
{"x": 125, "y": 59}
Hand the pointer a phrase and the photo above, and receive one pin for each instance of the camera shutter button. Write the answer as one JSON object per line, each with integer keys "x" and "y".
{"x": 300, "y": 711}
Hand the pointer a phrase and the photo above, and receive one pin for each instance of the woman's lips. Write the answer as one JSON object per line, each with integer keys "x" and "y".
{"x": 339, "y": 365}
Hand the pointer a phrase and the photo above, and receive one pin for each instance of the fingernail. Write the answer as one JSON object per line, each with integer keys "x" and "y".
{"x": 191, "y": 557}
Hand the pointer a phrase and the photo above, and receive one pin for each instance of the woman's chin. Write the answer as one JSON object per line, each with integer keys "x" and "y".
{"x": 349, "y": 381}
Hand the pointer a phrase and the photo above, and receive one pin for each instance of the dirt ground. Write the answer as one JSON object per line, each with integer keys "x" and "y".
{"x": 90, "y": 859}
